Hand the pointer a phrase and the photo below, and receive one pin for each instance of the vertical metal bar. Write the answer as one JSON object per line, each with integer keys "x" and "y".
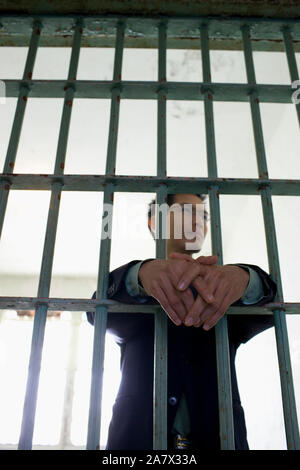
{"x": 288, "y": 397}
{"x": 222, "y": 346}
{"x": 18, "y": 119}
{"x": 161, "y": 322}
{"x": 94, "y": 424}
{"x": 30, "y": 402}
{"x": 291, "y": 59}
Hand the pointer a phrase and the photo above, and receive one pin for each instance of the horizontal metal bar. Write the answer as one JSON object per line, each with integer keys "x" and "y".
{"x": 148, "y": 90}
{"x": 183, "y": 31}
{"x": 246, "y": 186}
{"x": 89, "y": 305}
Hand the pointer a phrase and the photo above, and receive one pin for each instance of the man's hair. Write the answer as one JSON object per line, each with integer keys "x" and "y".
{"x": 170, "y": 201}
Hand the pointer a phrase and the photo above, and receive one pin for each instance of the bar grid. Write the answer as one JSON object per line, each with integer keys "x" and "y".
{"x": 116, "y": 89}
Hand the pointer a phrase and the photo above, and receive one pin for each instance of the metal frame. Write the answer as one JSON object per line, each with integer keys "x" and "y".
{"x": 142, "y": 31}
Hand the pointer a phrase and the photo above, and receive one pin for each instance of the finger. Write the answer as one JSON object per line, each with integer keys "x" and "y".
{"x": 192, "y": 317}
{"x": 192, "y": 271}
{"x": 175, "y": 255}
{"x": 187, "y": 298}
{"x": 211, "y": 310}
{"x": 213, "y": 259}
{"x": 173, "y": 298}
{"x": 204, "y": 289}
{"x": 218, "y": 315}
{"x": 160, "y": 296}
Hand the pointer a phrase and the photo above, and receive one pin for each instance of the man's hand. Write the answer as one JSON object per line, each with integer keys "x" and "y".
{"x": 159, "y": 279}
{"x": 228, "y": 284}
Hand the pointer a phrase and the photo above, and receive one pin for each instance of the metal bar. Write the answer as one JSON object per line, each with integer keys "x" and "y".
{"x": 99, "y": 31}
{"x": 124, "y": 183}
{"x": 291, "y": 59}
{"x": 147, "y": 90}
{"x": 89, "y": 305}
{"x": 288, "y": 397}
{"x": 94, "y": 424}
{"x": 222, "y": 345}
{"x": 160, "y": 377}
{"x": 30, "y": 402}
{"x": 22, "y": 94}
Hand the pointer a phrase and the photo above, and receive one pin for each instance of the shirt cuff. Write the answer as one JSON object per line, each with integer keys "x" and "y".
{"x": 254, "y": 292}
{"x": 132, "y": 282}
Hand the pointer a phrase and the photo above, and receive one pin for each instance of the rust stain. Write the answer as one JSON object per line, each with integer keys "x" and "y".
{"x": 69, "y": 103}
{"x": 11, "y": 164}
{"x": 38, "y": 31}
{"x": 209, "y": 95}
{"x": 58, "y": 197}
{"x": 6, "y": 186}
{"x": 118, "y": 98}
{"x": 25, "y": 98}
{"x": 30, "y": 75}
{"x": 62, "y": 165}
{"x": 256, "y": 100}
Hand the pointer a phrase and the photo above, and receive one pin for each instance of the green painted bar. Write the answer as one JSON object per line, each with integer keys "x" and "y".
{"x": 115, "y": 102}
{"x": 125, "y": 183}
{"x": 160, "y": 410}
{"x": 288, "y": 396}
{"x": 84, "y": 305}
{"x": 99, "y": 31}
{"x": 291, "y": 59}
{"x": 22, "y": 94}
{"x": 148, "y": 90}
{"x": 30, "y": 402}
{"x": 94, "y": 424}
{"x": 222, "y": 345}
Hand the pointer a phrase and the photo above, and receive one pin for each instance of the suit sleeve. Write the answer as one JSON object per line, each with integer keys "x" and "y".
{"x": 124, "y": 326}
{"x": 242, "y": 328}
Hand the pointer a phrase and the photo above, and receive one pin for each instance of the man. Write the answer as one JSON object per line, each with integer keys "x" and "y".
{"x": 207, "y": 292}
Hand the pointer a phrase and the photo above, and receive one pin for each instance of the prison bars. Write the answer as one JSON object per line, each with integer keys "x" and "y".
{"x": 209, "y": 92}
{"x": 93, "y": 438}
{"x": 30, "y": 402}
{"x": 288, "y": 396}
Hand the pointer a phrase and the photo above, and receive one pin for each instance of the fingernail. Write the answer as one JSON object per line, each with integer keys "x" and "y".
{"x": 181, "y": 285}
{"x": 188, "y": 321}
{"x": 210, "y": 297}
{"x": 206, "y": 327}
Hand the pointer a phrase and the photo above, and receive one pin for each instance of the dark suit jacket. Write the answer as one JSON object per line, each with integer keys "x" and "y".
{"x": 191, "y": 369}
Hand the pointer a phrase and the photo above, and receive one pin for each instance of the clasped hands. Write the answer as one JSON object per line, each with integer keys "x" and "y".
{"x": 218, "y": 287}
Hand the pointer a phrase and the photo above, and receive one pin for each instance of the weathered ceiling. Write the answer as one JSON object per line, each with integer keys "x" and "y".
{"x": 261, "y": 8}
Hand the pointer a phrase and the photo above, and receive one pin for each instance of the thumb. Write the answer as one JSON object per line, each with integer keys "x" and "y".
{"x": 213, "y": 259}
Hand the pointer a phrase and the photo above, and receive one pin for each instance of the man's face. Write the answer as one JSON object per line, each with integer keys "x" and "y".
{"x": 191, "y": 225}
